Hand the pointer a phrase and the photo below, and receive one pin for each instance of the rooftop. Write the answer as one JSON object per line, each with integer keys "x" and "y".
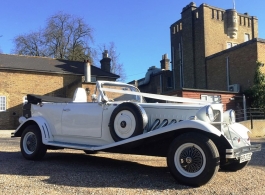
{"x": 48, "y": 65}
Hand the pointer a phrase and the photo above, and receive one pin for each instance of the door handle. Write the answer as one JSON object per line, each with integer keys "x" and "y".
{"x": 66, "y": 110}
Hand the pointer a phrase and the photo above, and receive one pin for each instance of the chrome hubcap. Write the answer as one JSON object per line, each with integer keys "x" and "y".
{"x": 30, "y": 143}
{"x": 188, "y": 160}
{"x": 191, "y": 159}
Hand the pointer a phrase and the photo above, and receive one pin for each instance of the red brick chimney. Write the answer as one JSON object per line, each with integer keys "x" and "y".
{"x": 164, "y": 62}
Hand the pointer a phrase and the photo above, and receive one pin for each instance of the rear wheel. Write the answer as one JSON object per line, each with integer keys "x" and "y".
{"x": 193, "y": 159}
{"x": 31, "y": 144}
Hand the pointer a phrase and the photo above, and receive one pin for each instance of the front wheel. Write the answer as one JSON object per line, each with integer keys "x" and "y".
{"x": 193, "y": 159}
{"x": 31, "y": 144}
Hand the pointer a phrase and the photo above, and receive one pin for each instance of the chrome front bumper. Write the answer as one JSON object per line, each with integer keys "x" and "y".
{"x": 236, "y": 153}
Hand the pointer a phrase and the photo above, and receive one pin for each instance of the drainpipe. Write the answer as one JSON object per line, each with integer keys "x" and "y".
{"x": 173, "y": 67}
{"x": 227, "y": 72}
{"x": 182, "y": 63}
{"x": 161, "y": 90}
{"x": 244, "y": 107}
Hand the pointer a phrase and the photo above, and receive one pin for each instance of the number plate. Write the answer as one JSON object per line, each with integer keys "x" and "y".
{"x": 245, "y": 157}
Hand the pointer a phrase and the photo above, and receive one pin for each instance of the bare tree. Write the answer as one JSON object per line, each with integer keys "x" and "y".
{"x": 64, "y": 37}
{"x": 67, "y": 37}
{"x": 30, "y": 44}
{"x": 116, "y": 66}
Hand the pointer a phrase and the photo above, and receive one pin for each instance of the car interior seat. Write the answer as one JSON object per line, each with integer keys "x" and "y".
{"x": 80, "y": 95}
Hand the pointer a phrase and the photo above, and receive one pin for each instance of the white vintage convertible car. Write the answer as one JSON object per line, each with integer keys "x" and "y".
{"x": 195, "y": 136}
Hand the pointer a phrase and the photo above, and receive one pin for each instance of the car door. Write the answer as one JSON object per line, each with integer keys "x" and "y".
{"x": 82, "y": 119}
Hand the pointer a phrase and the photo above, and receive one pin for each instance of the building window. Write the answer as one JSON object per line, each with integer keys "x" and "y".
{"x": 2, "y": 103}
{"x": 197, "y": 15}
{"x": 217, "y": 14}
{"x": 247, "y": 37}
{"x": 173, "y": 30}
{"x": 93, "y": 79}
{"x": 228, "y": 45}
{"x": 211, "y": 98}
{"x": 222, "y": 15}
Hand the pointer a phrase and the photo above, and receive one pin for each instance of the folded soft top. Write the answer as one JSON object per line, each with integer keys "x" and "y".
{"x": 35, "y": 99}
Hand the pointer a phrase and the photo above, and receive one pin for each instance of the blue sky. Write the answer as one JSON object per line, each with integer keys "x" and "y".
{"x": 139, "y": 28}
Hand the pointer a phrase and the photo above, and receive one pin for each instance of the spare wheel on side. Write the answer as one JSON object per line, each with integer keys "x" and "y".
{"x": 127, "y": 120}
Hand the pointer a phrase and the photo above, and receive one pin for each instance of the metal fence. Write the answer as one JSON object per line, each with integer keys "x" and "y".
{"x": 250, "y": 114}
{"x": 254, "y": 119}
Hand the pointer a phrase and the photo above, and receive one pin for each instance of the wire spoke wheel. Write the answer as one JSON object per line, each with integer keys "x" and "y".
{"x": 30, "y": 142}
{"x": 190, "y": 160}
{"x": 193, "y": 159}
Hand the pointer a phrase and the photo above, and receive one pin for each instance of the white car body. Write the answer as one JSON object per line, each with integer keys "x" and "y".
{"x": 99, "y": 125}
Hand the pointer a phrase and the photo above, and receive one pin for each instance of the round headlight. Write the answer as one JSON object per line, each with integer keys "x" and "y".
{"x": 229, "y": 116}
{"x": 209, "y": 113}
{"x": 205, "y": 114}
{"x": 232, "y": 116}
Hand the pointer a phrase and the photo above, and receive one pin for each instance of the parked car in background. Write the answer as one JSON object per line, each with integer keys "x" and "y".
{"x": 196, "y": 137}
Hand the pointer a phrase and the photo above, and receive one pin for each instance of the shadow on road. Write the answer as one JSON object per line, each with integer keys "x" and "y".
{"x": 81, "y": 170}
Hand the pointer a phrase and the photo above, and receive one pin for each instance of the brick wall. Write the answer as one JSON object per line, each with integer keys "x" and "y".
{"x": 91, "y": 88}
{"x": 15, "y": 85}
{"x": 199, "y": 45}
{"x": 261, "y": 52}
{"x": 226, "y": 98}
{"x": 242, "y": 64}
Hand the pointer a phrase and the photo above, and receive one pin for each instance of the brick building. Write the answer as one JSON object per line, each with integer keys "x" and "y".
{"x": 22, "y": 75}
{"x": 156, "y": 80}
{"x": 225, "y": 97}
{"x": 234, "y": 69}
{"x": 213, "y": 56}
{"x": 201, "y": 32}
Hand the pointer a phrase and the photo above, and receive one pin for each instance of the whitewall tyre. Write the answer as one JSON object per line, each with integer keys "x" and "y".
{"x": 31, "y": 144}
{"x": 193, "y": 159}
{"x": 127, "y": 120}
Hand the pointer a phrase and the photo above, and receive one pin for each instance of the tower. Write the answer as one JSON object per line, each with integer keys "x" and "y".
{"x": 203, "y": 31}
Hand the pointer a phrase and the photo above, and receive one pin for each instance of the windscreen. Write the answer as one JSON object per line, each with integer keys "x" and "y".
{"x": 115, "y": 96}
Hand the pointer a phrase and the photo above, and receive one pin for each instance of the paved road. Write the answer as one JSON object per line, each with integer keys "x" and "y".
{"x": 73, "y": 172}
